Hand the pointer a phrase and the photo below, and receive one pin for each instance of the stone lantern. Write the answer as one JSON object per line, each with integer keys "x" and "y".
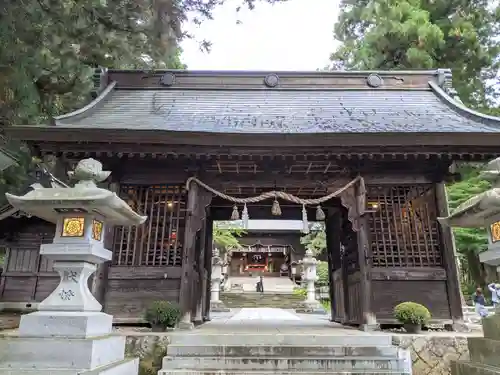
{"x": 69, "y": 333}
{"x": 311, "y": 304}
{"x": 482, "y": 210}
{"x": 216, "y": 305}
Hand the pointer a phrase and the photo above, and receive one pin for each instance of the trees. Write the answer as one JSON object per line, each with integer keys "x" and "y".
{"x": 423, "y": 34}
{"x": 226, "y": 236}
{"x": 315, "y": 240}
{"x": 469, "y": 241}
{"x": 49, "y": 49}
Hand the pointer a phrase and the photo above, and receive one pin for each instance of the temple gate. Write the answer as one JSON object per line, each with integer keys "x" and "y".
{"x": 298, "y": 134}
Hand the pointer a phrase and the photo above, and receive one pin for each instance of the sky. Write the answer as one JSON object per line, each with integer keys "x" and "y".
{"x": 297, "y": 35}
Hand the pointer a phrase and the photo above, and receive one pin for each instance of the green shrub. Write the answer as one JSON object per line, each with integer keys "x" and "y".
{"x": 163, "y": 313}
{"x": 300, "y": 292}
{"x": 322, "y": 273}
{"x": 412, "y": 313}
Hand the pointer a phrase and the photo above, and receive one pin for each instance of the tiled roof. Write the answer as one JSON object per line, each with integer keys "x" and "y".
{"x": 280, "y": 111}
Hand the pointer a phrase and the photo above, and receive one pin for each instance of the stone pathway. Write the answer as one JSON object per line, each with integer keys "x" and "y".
{"x": 263, "y": 314}
{"x": 266, "y": 320}
{"x": 271, "y": 284}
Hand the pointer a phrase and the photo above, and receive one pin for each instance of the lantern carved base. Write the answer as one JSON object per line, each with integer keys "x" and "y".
{"x": 69, "y": 334}
{"x": 218, "y": 306}
{"x": 310, "y": 307}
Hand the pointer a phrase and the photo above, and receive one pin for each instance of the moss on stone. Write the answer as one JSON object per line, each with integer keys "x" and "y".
{"x": 150, "y": 350}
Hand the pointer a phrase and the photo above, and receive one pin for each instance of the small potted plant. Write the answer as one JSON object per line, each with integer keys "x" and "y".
{"x": 162, "y": 315}
{"x": 412, "y": 315}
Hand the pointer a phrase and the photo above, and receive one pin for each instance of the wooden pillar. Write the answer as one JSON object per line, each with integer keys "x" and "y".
{"x": 200, "y": 266}
{"x": 368, "y": 319}
{"x": 449, "y": 256}
{"x": 188, "y": 257}
{"x": 206, "y": 286}
{"x": 333, "y": 231}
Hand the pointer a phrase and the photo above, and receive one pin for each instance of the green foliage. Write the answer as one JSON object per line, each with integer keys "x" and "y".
{"x": 469, "y": 241}
{"x": 163, "y": 313}
{"x": 423, "y": 34}
{"x": 300, "y": 292}
{"x": 315, "y": 240}
{"x": 412, "y": 313}
{"x": 322, "y": 272}
{"x": 49, "y": 50}
{"x": 327, "y": 304}
{"x": 226, "y": 236}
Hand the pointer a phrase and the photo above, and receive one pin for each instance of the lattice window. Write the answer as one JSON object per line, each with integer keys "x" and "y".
{"x": 158, "y": 242}
{"x": 404, "y": 227}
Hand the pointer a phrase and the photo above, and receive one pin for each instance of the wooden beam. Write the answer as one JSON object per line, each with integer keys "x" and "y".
{"x": 264, "y": 213}
{"x": 455, "y": 297}
{"x": 202, "y": 271}
{"x": 368, "y": 319}
{"x": 333, "y": 229}
{"x": 207, "y": 281}
{"x": 468, "y": 142}
{"x": 188, "y": 257}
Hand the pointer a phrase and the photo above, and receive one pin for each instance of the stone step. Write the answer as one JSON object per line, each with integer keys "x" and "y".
{"x": 249, "y": 299}
{"x": 485, "y": 351}
{"x": 281, "y": 351}
{"x": 128, "y": 366}
{"x": 52, "y": 352}
{"x": 260, "y": 372}
{"x": 357, "y": 338}
{"x": 467, "y": 368}
{"x": 277, "y": 363}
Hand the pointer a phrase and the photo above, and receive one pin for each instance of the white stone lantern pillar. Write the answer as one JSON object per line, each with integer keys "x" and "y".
{"x": 215, "y": 303}
{"x": 309, "y": 265}
{"x": 69, "y": 332}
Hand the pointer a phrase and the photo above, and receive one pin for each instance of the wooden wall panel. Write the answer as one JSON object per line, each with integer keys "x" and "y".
{"x": 354, "y": 312}
{"x": 45, "y": 285}
{"x": 430, "y": 293}
{"x": 26, "y": 272}
{"x": 18, "y": 288}
{"x": 127, "y": 299}
{"x": 340, "y": 315}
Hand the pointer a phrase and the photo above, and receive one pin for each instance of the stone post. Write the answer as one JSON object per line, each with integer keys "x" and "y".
{"x": 216, "y": 305}
{"x": 310, "y": 305}
{"x": 69, "y": 334}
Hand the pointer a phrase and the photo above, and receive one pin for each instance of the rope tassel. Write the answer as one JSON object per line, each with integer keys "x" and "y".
{"x": 276, "y": 209}
{"x": 235, "y": 215}
{"x": 245, "y": 217}
{"x": 305, "y": 223}
{"x": 320, "y": 214}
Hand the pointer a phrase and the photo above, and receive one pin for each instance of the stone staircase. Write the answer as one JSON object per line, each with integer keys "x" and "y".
{"x": 271, "y": 284}
{"x": 484, "y": 351}
{"x": 253, "y": 299}
{"x": 261, "y": 354}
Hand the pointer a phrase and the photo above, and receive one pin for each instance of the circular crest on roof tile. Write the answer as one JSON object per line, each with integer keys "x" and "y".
{"x": 271, "y": 80}
{"x": 374, "y": 80}
{"x": 167, "y": 79}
